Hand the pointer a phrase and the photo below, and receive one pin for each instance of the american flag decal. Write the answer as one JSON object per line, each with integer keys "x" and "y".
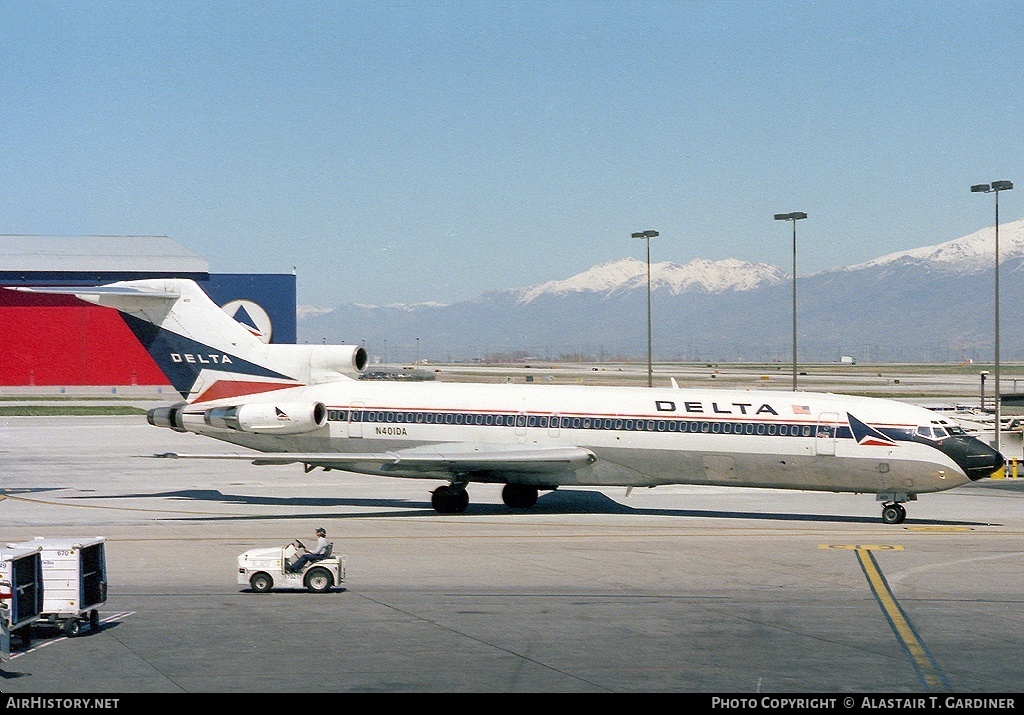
{"x": 801, "y": 410}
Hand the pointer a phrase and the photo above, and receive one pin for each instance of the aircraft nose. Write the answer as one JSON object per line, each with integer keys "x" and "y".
{"x": 976, "y": 458}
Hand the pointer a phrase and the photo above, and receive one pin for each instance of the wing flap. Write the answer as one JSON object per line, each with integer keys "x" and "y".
{"x": 442, "y": 461}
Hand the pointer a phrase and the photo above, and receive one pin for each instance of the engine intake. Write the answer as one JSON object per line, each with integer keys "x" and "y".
{"x": 268, "y": 418}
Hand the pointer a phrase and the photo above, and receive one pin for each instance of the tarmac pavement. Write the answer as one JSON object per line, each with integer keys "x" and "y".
{"x": 676, "y": 589}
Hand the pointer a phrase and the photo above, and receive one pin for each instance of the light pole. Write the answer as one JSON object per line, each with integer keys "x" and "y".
{"x": 995, "y": 187}
{"x": 794, "y": 217}
{"x": 650, "y": 369}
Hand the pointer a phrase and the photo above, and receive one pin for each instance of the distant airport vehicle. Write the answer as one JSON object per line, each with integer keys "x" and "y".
{"x": 266, "y": 568}
{"x": 300, "y": 404}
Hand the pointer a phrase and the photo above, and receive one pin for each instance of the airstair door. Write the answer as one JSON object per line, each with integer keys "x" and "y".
{"x": 826, "y": 433}
{"x": 521, "y": 419}
{"x": 355, "y": 419}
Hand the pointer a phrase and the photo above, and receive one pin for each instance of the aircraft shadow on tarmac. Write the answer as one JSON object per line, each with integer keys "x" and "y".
{"x": 561, "y": 501}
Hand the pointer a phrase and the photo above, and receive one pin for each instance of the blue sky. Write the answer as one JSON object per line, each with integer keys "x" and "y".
{"x": 413, "y": 150}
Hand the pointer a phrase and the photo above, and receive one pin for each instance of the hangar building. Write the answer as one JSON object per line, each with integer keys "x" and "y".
{"x": 59, "y": 340}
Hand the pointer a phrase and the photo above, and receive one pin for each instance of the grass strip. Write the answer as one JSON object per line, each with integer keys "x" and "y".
{"x": 68, "y": 410}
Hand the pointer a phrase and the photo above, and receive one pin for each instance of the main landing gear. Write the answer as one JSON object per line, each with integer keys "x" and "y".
{"x": 450, "y": 499}
{"x": 453, "y": 498}
{"x": 893, "y": 513}
{"x": 519, "y": 496}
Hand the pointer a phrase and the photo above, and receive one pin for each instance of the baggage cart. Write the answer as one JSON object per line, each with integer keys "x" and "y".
{"x": 21, "y": 594}
{"x": 74, "y": 582}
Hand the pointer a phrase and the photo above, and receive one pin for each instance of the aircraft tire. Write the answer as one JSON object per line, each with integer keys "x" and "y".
{"x": 893, "y": 514}
{"x": 449, "y": 500}
{"x": 441, "y": 501}
{"x": 519, "y": 496}
{"x": 94, "y": 621}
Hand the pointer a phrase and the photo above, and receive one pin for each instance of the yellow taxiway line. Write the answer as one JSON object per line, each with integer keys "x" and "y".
{"x": 928, "y": 671}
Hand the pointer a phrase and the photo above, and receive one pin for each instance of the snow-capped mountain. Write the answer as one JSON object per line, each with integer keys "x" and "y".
{"x": 630, "y": 273}
{"x": 969, "y": 254}
{"x": 926, "y": 304}
{"x": 302, "y": 312}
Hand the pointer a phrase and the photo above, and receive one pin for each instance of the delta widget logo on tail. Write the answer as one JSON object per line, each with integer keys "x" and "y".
{"x": 251, "y": 315}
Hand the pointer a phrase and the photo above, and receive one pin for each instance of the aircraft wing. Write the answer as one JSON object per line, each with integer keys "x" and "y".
{"x": 449, "y": 461}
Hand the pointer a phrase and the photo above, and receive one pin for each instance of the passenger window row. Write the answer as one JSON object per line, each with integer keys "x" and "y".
{"x": 679, "y": 425}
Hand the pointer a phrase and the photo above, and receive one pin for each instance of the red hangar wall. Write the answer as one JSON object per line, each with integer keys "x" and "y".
{"x": 57, "y": 340}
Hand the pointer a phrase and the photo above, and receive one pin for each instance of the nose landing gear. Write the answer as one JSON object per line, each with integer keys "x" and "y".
{"x": 892, "y": 505}
{"x": 893, "y": 513}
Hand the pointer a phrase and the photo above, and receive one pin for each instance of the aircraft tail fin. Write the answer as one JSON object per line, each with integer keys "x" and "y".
{"x": 204, "y": 352}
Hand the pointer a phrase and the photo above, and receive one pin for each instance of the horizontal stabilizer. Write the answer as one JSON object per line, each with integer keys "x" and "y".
{"x": 121, "y": 297}
{"x": 98, "y": 290}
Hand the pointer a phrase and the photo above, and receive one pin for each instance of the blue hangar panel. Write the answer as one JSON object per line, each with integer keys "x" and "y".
{"x": 262, "y": 302}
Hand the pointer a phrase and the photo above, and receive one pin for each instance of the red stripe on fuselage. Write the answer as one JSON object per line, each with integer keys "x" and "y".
{"x": 236, "y": 388}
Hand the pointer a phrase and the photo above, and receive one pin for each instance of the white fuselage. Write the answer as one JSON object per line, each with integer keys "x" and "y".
{"x": 641, "y": 436}
{"x": 298, "y": 404}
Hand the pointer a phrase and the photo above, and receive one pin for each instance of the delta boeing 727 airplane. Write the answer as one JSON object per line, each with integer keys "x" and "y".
{"x": 302, "y": 404}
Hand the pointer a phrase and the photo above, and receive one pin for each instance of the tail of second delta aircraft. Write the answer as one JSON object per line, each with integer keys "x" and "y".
{"x": 204, "y": 352}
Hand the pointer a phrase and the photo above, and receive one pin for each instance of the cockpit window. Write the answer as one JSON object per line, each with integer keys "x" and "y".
{"x": 933, "y": 432}
{"x": 952, "y": 429}
{"x": 937, "y": 431}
